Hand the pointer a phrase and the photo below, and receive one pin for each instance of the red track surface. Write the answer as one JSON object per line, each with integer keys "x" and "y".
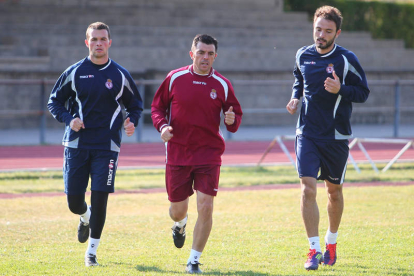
{"x": 153, "y": 154}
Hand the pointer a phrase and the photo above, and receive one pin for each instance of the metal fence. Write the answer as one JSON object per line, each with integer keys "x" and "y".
{"x": 391, "y": 104}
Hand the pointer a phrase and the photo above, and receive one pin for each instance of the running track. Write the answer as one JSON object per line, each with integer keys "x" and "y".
{"x": 153, "y": 155}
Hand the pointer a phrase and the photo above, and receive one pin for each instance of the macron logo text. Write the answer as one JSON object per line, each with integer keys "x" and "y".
{"x": 111, "y": 172}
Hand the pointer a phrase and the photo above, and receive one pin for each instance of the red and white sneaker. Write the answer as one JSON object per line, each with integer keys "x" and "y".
{"x": 329, "y": 257}
{"x": 314, "y": 259}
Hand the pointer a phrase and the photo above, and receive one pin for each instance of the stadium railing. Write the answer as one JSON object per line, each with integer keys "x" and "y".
{"x": 356, "y": 141}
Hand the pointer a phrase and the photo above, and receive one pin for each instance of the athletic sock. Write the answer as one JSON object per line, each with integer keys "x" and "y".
{"x": 315, "y": 244}
{"x": 85, "y": 217}
{"x": 181, "y": 223}
{"x": 92, "y": 246}
{"x": 330, "y": 238}
{"x": 194, "y": 256}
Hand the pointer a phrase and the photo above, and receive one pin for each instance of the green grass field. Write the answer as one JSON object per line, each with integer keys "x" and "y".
{"x": 254, "y": 232}
{"x": 52, "y": 181}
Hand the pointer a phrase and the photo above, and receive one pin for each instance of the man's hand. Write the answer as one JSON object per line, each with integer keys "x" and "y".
{"x": 76, "y": 124}
{"x": 129, "y": 127}
{"x": 166, "y": 134}
{"x": 292, "y": 106}
{"x": 229, "y": 116}
{"x": 333, "y": 85}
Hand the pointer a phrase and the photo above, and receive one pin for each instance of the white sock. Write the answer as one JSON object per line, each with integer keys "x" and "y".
{"x": 181, "y": 223}
{"x": 315, "y": 244}
{"x": 92, "y": 246}
{"x": 194, "y": 256}
{"x": 330, "y": 238}
{"x": 85, "y": 217}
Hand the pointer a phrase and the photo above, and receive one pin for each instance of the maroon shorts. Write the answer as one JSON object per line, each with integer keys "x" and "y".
{"x": 180, "y": 179}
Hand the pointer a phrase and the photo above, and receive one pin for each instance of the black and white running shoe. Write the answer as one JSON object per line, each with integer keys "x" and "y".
{"x": 193, "y": 268}
{"x": 90, "y": 260}
{"x": 178, "y": 235}
{"x": 83, "y": 231}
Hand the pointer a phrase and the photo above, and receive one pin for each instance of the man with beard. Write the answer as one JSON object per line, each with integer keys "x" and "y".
{"x": 329, "y": 78}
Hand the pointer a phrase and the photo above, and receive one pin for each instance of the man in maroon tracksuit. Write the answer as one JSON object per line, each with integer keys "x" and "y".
{"x": 187, "y": 110}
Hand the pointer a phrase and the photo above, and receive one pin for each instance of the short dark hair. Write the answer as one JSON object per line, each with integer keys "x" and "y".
{"x": 329, "y": 13}
{"x": 98, "y": 26}
{"x": 206, "y": 39}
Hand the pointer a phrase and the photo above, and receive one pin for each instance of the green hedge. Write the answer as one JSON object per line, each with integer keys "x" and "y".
{"x": 383, "y": 20}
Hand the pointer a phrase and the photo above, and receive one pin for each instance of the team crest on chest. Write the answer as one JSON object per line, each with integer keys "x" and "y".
{"x": 330, "y": 68}
{"x": 109, "y": 84}
{"x": 213, "y": 94}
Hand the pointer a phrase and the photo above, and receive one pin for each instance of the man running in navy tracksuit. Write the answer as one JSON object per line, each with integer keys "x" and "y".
{"x": 89, "y": 98}
{"x": 329, "y": 78}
